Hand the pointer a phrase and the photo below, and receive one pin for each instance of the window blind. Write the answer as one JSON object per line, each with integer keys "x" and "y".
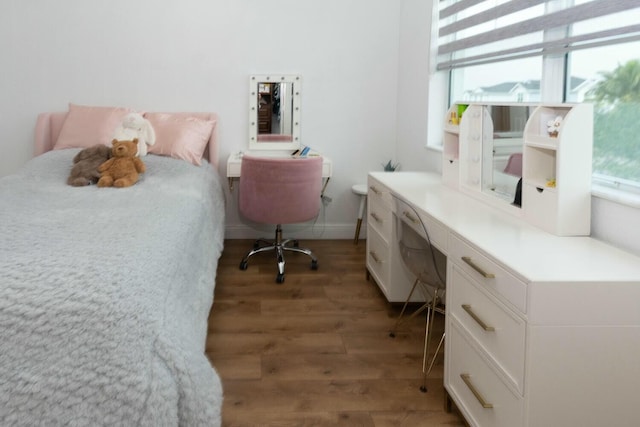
{"x": 475, "y": 32}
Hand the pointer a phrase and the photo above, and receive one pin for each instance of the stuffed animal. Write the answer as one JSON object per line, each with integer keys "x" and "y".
{"x": 553, "y": 126}
{"x": 86, "y": 163}
{"x": 123, "y": 168}
{"x": 135, "y": 126}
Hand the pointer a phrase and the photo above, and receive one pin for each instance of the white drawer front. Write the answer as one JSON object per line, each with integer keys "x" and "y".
{"x": 379, "y": 216}
{"x": 438, "y": 234}
{"x": 378, "y": 259}
{"x": 499, "y": 331}
{"x": 377, "y": 191}
{"x": 471, "y": 381}
{"x": 489, "y": 274}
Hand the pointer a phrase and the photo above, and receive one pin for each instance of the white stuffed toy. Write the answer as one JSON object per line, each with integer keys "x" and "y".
{"x": 553, "y": 126}
{"x": 135, "y": 126}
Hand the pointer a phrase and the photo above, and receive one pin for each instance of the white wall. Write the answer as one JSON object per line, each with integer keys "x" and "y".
{"x": 196, "y": 55}
{"x": 413, "y": 87}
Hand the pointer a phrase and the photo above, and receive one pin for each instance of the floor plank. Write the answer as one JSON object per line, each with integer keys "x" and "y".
{"x": 315, "y": 350}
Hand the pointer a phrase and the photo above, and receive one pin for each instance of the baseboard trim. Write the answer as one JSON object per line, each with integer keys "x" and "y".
{"x": 311, "y": 232}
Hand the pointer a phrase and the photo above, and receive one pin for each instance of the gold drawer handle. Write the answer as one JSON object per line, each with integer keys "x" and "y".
{"x": 376, "y": 217}
{"x": 375, "y": 190}
{"x": 479, "y": 321}
{"x": 477, "y": 268}
{"x": 467, "y": 380}
{"x": 375, "y": 257}
{"x": 411, "y": 218}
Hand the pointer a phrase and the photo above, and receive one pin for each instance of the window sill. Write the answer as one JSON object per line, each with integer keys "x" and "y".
{"x": 436, "y": 148}
{"x": 618, "y": 196}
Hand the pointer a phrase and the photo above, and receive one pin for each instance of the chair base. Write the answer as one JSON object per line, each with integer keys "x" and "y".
{"x": 432, "y": 307}
{"x": 279, "y": 246}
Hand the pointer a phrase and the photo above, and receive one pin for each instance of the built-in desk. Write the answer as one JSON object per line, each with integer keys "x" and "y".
{"x": 549, "y": 334}
{"x": 234, "y": 163}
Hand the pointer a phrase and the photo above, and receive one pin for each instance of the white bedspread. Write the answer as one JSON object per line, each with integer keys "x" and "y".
{"x": 105, "y": 295}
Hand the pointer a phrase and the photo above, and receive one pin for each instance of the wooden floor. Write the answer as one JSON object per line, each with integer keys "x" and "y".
{"x": 316, "y": 350}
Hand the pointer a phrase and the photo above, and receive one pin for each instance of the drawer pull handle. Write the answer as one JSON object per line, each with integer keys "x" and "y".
{"x": 376, "y": 217}
{"x": 479, "y": 321}
{"x": 477, "y": 268}
{"x": 410, "y": 217}
{"x": 375, "y": 257}
{"x": 375, "y": 190}
{"x": 467, "y": 380}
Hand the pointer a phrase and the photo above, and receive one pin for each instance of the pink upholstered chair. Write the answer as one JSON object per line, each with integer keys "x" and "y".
{"x": 279, "y": 191}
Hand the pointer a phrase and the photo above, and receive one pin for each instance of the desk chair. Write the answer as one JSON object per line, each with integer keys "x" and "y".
{"x": 428, "y": 265}
{"x": 279, "y": 191}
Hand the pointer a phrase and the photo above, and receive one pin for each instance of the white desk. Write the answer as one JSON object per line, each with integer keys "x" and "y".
{"x": 234, "y": 163}
{"x": 565, "y": 311}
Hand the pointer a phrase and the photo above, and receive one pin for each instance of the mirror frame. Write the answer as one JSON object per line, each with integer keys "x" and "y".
{"x": 254, "y": 80}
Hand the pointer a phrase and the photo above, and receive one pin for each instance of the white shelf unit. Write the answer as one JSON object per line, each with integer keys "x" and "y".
{"x": 556, "y": 174}
{"x": 451, "y": 150}
{"x": 474, "y": 125}
{"x": 556, "y": 191}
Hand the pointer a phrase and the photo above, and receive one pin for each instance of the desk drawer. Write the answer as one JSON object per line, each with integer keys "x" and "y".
{"x": 472, "y": 381}
{"x": 499, "y": 331}
{"x": 438, "y": 234}
{"x": 378, "y": 259}
{"x": 488, "y": 273}
{"x": 377, "y": 191}
{"x": 379, "y": 216}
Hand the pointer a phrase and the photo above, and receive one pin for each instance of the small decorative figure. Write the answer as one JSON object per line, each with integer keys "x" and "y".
{"x": 553, "y": 126}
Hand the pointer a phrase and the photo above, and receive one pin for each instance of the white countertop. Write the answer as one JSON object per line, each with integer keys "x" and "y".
{"x": 531, "y": 252}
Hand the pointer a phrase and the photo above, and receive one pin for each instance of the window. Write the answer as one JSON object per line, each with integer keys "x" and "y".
{"x": 510, "y": 81}
{"x": 610, "y": 78}
{"x": 553, "y": 51}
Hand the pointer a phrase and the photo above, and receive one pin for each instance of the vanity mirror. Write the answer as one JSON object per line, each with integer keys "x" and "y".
{"x": 502, "y": 146}
{"x": 274, "y": 112}
{"x": 483, "y": 150}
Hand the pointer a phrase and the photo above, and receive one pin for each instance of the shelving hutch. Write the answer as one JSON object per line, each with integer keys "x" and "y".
{"x": 556, "y": 169}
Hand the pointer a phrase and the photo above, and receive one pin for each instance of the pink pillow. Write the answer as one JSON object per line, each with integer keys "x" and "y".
{"x": 181, "y": 135}
{"x": 85, "y": 126}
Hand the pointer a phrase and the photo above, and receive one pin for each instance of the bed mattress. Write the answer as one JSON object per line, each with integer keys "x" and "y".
{"x": 106, "y": 294}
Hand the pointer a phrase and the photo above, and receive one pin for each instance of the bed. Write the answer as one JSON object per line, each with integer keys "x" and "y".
{"x": 106, "y": 292}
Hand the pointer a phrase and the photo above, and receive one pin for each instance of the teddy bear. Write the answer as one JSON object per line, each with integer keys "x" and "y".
{"x": 86, "y": 163}
{"x": 134, "y": 125}
{"x": 122, "y": 169}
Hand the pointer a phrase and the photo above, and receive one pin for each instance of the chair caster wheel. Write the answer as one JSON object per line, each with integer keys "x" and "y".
{"x": 314, "y": 265}
{"x": 423, "y": 389}
{"x": 392, "y": 334}
{"x": 280, "y": 278}
{"x": 243, "y": 265}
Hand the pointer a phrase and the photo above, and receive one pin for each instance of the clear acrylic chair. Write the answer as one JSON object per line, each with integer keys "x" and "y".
{"x": 428, "y": 265}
